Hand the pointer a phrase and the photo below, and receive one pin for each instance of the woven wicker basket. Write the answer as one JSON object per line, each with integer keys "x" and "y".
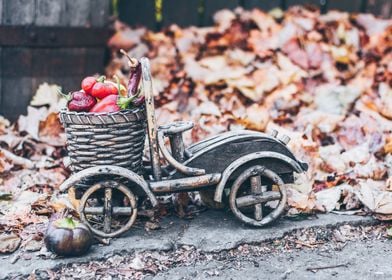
{"x": 105, "y": 138}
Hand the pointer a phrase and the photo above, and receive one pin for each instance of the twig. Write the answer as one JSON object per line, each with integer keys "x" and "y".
{"x": 323, "y": 255}
{"x": 304, "y": 244}
{"x": 17, "y": 159}
{"x": 315, "y": 269}
{"x": 15, "y": 258}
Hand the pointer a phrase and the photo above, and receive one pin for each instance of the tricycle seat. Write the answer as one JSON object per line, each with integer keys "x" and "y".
{"x": 199, "y": 147}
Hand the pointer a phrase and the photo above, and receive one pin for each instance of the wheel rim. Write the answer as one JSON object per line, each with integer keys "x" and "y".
{"x": 258, "y": 196}
{"x": 107, "y": 210}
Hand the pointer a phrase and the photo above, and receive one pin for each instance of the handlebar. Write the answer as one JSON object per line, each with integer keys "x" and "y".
{"x": 176, "y": 127}
{"x": 174, "y": 130}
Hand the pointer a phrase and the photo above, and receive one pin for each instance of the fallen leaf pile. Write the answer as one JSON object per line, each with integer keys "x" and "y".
{"x": 324, "y": 80}
{"x": 31, "y": 169}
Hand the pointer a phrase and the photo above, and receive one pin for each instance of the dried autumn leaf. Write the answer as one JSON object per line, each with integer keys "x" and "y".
{"x": 256, "y": 118}
{"x": 125, "y": 38}
{"x": 30, "y": 123}
{"x": 48, "y": 95}
{"x": 372, "y": 195}
{"x": 9, "y": 243}
{"x": 5, "y": 164}
{"x": 389, "y": 232}
{"x": 4, "y": 123}
{"x": 51, "y": 131}
{"x": 327, "y": 200}
{"x": 388, "y": 146}
{"x": 385, "y": 92}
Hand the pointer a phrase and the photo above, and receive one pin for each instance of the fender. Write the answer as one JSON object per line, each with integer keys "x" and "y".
{"x": 258, "y": 155}
{"x": 112, "y": 170}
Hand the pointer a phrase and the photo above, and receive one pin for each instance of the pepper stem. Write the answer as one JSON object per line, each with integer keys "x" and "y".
{"x": 66, "y": 222}
{"x": 101, "y": 79}
{"x": 69, "y": 221}
{"x": 125, "y": 102}
{"x": 133, "y": 62}
{"x": 118, "y": 84}
{"x": 67, "y": 97}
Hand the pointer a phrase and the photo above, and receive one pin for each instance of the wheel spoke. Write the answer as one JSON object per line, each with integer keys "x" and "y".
{"x": 107, "y": 210}
{"x": 122, "y": 211}
{"x": 102, "y": 218}
{"x": 93, "y": 210}
{"x": 118, "y": 211}
{"x": 256, "y": 189}
{"x": 250, "y": 200}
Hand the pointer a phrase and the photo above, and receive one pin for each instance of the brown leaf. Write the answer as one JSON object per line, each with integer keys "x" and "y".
{"x": 9, "y": 243}
{"x": 125, "y": 38}
{"x": 388, "y": 146}
{"x": 31, "y": 122}
{"x": 256, "y": 118}
{"x": 5, "y": 164}
{"x": 51, "y": 131}
{"x": 152, "y": 226}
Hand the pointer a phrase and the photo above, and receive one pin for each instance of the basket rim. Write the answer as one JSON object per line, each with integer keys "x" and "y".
{"x": 103, "y": 118}
{"x": 122, "y": 112}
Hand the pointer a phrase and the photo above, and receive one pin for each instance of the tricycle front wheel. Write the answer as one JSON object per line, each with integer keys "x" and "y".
{"x": 258, "y": 196}
{"x": 99, "y": 212}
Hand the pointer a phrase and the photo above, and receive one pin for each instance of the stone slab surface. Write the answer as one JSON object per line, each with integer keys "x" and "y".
{"x": 210, "y": 231}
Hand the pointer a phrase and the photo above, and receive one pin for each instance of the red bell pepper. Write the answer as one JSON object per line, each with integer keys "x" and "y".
{"x": 101, "y": 89}
{"x": 112, "y": 103}
{"x": 88, "y": 83}
{"x": 79, "y": 101}
{"x": 107, "y": 104}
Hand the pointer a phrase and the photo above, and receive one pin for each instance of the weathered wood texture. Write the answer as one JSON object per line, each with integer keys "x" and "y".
{"x": 200, "y": 12}
{"x": 265, "y": 5}
{"x": 129, "y": 12}
{"x": 381, "y": 7}
{"x": 36, "y": 46}
{"x": 180, "y": 12}
{"x": 151, "y": 120}
{"x": 210, "y": 7}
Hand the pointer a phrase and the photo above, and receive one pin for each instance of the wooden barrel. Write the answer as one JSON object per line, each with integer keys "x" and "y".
{"x": 54, "y": 41}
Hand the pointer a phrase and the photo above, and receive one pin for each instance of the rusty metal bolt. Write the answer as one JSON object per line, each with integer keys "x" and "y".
{"x": 274, "y": 133}
{"x": 285, "y": 139}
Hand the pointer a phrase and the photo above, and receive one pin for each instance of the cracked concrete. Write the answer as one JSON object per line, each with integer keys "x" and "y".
{"x": 211, "y": 231}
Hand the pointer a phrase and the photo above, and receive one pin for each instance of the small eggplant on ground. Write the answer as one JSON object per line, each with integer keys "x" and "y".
{"x": 68, "y": 237}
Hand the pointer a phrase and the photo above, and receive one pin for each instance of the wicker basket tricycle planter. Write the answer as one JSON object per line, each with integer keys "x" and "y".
{"x": 105, "y": 150}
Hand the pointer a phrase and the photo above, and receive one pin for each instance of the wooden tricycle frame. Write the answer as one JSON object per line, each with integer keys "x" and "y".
{"x": 246, "y": 169}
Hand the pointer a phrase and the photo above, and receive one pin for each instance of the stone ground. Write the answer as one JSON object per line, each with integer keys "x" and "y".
{"x": 185, "y": 249}
{"x": 365, "y": 259}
